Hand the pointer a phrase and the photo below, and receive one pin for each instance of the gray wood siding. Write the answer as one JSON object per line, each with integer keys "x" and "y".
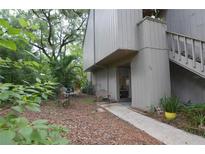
{"x": 127, "y": 29}
{"x": 188, "y": 22}
{"x": 106, "y": 31}
{"x": 114, "y": 29}
{"x": 146, "y": 28}
{"x": 101, "y": 80}
{"x": 112, "y": 82}
{"x": 150, "y": 75}
{"x": 88, "y": 49}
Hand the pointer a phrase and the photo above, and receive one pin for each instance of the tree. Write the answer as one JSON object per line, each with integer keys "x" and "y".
{"x": 57, "y": 29}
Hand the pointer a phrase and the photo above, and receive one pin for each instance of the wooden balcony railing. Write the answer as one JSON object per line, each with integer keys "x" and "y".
{"x": 187, "y": 52}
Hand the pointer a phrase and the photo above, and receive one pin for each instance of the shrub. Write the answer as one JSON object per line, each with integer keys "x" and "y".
{"x": 170, "y": 104}
{"x": 15, "y": 129}
{"x": 195, "y": 113}
{"x": 18, "y": 130}
{"x": 88, "y": 88}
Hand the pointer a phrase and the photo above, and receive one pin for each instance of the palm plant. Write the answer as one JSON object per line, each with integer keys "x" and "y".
{"x": 63, "y": 69}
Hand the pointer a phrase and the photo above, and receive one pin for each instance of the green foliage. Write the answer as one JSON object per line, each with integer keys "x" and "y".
{"x": 199, "y": 119}
{"x": 15, "y": 129}
{"x": 23, "y": 22}
{"x": 8, "y": 44}
{"x": 18, "y": 130}
{"x": 26, "y": 96}
{"x": 88, "y": 88}
{"x": 63, "y": 70}
{"x": 195, "y": 112}
{"x": 170, "y": 104}
{"x": 194, "y": 109}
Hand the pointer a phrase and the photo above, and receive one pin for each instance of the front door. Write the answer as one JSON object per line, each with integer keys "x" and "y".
{"x": 124, "y": 84}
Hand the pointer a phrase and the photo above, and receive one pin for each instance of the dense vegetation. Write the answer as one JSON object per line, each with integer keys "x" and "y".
{"x": 39, "y": 50}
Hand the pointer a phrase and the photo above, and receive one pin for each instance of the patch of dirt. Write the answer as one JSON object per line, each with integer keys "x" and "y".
{"x": 86, "y": 126}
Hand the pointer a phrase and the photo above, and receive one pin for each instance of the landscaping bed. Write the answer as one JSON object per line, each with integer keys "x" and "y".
{"x": 89, "y": 124}
{"x": 188, "y": 118}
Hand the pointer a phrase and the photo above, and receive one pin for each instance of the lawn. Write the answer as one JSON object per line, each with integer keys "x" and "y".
{"x": 88, "y": 125}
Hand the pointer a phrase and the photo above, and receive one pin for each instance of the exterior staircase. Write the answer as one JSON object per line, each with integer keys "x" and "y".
{"x": 187, "y": 52}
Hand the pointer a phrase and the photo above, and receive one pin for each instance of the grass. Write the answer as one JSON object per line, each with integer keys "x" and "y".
{"x": 88, "y": 100}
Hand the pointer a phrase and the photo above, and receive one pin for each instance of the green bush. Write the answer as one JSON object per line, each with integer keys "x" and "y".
{"x": 15, "y": 129}
{"x": 170, "y": 104}
{"x": 195, "y": 113}
{"x": 18, "y": 130}
{"x": 88, "y": 88}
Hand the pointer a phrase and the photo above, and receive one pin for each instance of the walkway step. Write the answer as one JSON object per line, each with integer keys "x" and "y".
{"x": 161, "y": 131}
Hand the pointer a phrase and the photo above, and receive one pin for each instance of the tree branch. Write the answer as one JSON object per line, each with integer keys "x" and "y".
{"x": 47, "y": 16}
{"x": 34, "y": 12}
{"x": 42, "y": 49}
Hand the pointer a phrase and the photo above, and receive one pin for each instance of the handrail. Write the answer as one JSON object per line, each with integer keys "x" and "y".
{"x": 177, "y": 47}
{"x": 182, "y": 35}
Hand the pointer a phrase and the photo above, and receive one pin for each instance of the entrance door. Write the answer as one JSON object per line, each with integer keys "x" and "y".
{"x": 124, "y": 83}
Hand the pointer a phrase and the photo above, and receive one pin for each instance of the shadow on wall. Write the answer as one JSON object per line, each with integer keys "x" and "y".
{"x": 186, "y": 85}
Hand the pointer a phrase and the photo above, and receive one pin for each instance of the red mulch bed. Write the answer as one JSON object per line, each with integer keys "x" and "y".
{"x": 86, "y": 126}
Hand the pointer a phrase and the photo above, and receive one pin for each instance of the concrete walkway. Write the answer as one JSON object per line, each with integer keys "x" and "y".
{"x": 161, "y": 131}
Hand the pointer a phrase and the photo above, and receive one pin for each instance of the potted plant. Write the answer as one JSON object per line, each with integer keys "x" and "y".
{"x": 170, "y": 106}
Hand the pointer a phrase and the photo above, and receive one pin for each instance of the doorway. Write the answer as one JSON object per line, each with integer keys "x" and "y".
{"x": 124, "y": 83}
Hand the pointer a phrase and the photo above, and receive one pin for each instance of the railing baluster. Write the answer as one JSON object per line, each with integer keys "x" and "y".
{"x": 185, "y": 50}
{"x": 173, "y": 47}
{"x": 201, "y": 56}
{"x": 193, "y": 52}
{"x": 178, "y": 48}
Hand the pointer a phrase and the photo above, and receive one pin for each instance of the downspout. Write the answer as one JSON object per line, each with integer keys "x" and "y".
{"x": 94, "y": 36}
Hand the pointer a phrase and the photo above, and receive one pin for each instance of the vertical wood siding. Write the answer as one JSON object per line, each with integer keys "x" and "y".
{"x": 146, "y": 37}
{"x": 187, "y": 22}
{"x": 127, "y": 29}
{"x": 88, "y": 49}
{"x": 105, "y": 32}
{"x": 101, "y": 79}
{"x": 150, "y": 75}
{"x": 114, "y": 29}
{"x": 113, "y": 82}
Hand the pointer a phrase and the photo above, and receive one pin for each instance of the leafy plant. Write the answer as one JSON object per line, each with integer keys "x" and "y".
{"x": 18, "y": 130}
{"x": 199, "y": 119}
{"x": 195, "y": 113}
{"x": 15, "y": 129}
{"x": 170, "y": 104}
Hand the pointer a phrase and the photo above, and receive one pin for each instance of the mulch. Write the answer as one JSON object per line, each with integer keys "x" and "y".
{"x": 87, "y": 126}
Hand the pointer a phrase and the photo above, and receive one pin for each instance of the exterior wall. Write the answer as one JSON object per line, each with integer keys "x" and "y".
{"x": 101, "y": 80}
{"x": 109, "y": 30}
{"x": 112, "y": 86}
{"x": 115, "y": 29}
{"x": 152, "y": 34}
{"x": 150, "y": 76}
{"x": 188, "y": 22}
{"x": 127, "y": 32}
{"x": 88, "y": 54}
{"x": 105, "y": 79}
{"x": 187, "y": 85}
{"x": 106, "y": 31}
